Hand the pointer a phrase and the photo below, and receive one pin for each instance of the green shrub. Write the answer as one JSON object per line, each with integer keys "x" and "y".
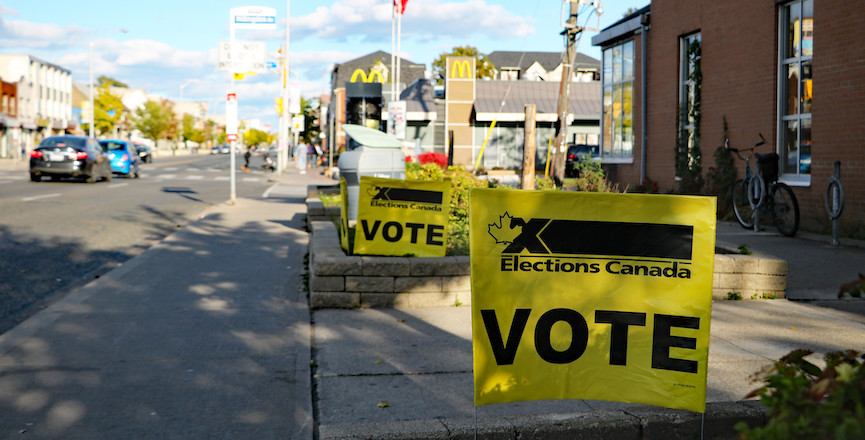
{"x": 329, "y": 200}
{"x": 545, "y": 183}
{"x": 590, "y": 177}
{"x": 461, "y": 181}
{"x": 806, "y": 402}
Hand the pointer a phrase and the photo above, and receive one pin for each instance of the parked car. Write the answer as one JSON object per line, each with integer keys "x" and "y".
{"x": 69, "y": 156}
{"x": 144, "y": 152}
{"x": 224, "y": 149}
{"x": 576, "y": 154}
{"x": 124, "y": 158}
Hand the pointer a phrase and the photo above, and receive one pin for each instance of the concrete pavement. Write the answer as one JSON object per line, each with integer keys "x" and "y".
{"x": 208, "y": 335}
{"x": 204, "y": 335}
{"x": 407, "y": 373}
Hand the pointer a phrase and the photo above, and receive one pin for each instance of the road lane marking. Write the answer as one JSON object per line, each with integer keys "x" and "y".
{"x": 117, "y": 185}
{"x": 267, "y": 191}
{"x": 250, "y": 179}
{"x": 194, "y": 177}
{"x": 221, "y": 178}
{"x": 44, "y": 196}
{"x": 166, "y": 176}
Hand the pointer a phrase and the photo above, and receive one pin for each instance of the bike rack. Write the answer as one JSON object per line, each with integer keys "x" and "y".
{"x": 835, "y": 201}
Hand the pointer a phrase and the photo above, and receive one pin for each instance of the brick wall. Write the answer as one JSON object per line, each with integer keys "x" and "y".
{"x": 739, "y": 66}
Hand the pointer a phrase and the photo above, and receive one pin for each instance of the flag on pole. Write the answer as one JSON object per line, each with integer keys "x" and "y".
{"x": 400, "y": 6}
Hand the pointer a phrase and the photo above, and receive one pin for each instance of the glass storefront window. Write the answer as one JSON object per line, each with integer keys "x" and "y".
{"x": 792, "y": 91}
{"x": 617, "y": 85}
{"x": 796, "y": 89}
{"x": 806, "y": 87}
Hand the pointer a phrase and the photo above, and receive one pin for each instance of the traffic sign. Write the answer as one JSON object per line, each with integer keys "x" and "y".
{"x": 253, "y": 17}
{"x": 231, "y": 115}
{"x": 242, "y": 56}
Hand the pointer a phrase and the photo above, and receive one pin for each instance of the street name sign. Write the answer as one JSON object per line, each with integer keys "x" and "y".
{"x": 253, "y": 17}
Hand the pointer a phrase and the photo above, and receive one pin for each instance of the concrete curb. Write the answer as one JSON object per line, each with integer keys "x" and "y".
{"x": 632, "y": 423}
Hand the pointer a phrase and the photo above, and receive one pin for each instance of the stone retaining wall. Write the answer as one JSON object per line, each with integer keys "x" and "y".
{"x": 752, "y": 277}
{"x": 340, "y": 281}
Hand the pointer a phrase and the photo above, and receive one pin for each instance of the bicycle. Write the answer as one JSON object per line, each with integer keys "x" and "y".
{"x": 751, "y": 198}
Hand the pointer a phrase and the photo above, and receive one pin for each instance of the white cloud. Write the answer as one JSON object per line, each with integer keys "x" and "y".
{"x": 370, "y": 20}
{"x": 20, "y": 33}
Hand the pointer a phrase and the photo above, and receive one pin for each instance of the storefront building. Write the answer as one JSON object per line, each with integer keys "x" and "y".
{"x": 736, "y": 70}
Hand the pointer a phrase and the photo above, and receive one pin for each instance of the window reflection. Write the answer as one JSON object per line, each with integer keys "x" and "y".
{"x": 805, "y": 147}
{"x": 792, "y": 146}
{"x": 808, "y": 28}
{"x": 796, "y": 86}
{"x": 618, "y": 84}
{"x": 806, "y": 87}
{"x": 792, "y": 89}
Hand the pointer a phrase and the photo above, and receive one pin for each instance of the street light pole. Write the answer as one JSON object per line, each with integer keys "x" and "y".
{"x": 92, "y": 107}
{"x": 285, "y": 87}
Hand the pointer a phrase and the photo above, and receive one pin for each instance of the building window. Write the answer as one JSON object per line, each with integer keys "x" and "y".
{"x": 618, "y": 96}
{"x": 796, "y": 48}
{"x": 510, "y": 74}
{"x": 690, "y": 77}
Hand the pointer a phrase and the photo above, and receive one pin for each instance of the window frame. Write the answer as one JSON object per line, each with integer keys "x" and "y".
{"x": 800, "y": 59}
{"x": 687, "y": 90}
{"x": 617, "y": 84}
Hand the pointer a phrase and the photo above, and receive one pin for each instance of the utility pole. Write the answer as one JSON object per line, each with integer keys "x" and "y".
{"x": 571, "y": 31}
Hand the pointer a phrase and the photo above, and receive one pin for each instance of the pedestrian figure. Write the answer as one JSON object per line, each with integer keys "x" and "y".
{"x": 246, "y": 157}
{"x": 310, "y": 156}
{"x": 301, "y": 157}
{"x": 318, "y": 154}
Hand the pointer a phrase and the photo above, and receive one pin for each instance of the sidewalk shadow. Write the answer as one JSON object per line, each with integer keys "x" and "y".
{"x": 205, "y": 326}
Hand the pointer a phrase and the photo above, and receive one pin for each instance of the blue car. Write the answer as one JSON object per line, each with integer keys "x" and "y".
{"x": 124, "y": 157}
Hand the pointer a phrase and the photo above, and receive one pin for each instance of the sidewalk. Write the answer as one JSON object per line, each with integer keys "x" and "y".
{"x": 203, "y": 336}
{"x": 406, "y": 374}
{"x": 208, "y": 335}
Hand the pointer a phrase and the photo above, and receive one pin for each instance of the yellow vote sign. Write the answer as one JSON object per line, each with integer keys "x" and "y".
{"x": 343, "y": 215}
{"x": 591, "y": 296}
{"x": 402, "y": 217}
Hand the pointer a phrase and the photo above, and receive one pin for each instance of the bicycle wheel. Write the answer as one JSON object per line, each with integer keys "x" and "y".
{"x": 741, "y": 205}
{"x": 785, "y": 209}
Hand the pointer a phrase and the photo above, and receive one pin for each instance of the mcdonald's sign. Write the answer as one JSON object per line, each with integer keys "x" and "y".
{"x": 462, "y": 69}
{"x": 364, "y": 78}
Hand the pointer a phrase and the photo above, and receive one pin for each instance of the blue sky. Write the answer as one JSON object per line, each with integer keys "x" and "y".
{"x": 170, "y": 43}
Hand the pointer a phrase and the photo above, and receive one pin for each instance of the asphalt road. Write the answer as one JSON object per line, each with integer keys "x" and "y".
{"x": 56, "y": 236}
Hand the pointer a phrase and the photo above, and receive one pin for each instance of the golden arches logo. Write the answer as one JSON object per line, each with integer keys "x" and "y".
{"x": 364, "y": 78}
{"x": 463, "y": 67}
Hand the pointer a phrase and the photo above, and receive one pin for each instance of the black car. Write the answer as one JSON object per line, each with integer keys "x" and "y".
{"x": 576, "y": 154}
{"x": 69, "y": 156}
{"x": 144, "y": 152}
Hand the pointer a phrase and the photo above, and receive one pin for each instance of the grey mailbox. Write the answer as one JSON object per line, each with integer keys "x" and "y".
{"x": 376, "y": 154}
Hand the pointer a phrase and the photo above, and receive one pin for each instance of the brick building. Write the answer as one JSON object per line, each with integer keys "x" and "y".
{"x": 757, "y": 68}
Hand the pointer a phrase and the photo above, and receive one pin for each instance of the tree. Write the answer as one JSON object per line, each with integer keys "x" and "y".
{"x": 111, "y": 82}
{"x": 485, "y": 69}
{"x": 189, "y": 132}
{"x": 153, "y": 120}
{"x": 310, "y": 111}
{"x": 254, "y": 137}
{"x": 108, "y": 109}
